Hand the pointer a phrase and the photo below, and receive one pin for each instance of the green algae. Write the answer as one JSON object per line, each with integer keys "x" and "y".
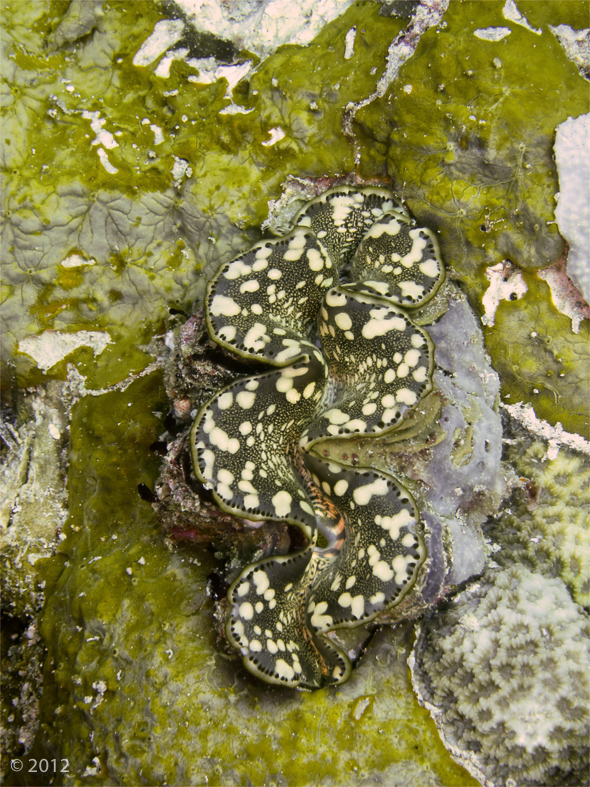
{"x": 135, "y": 679}
{"x": 556, "y": 12}
{"x": 477, "y": 163}
{"x": 468, "y": 131}
{"x": 539, "y": 359}
{"x": 309, "y": 103}
{"x": 191, "y": 715}
{"x": 486, "y": 143}
{"x": 151, "y": 235}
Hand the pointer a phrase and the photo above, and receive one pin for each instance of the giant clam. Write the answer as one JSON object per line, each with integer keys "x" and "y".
{"x": 325, "y": 308}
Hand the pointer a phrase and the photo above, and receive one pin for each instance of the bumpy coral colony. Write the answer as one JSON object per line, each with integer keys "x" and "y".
{"x": 325, "y": 307}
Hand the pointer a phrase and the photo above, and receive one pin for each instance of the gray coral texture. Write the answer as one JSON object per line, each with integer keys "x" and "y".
{"x": 504, "y": 670}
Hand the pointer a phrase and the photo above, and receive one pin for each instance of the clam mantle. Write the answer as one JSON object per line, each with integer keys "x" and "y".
{"x": 324, "y": 307}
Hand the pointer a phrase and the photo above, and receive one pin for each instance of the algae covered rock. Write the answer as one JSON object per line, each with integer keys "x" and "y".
{"x": 128, "y": 181}
{"x": 33, "y": 513}
{"x": 462, "y": 145}
{"x": 136, "y": 687}
{"x": 468, "y": 130}
{"x": 162, "y": 174}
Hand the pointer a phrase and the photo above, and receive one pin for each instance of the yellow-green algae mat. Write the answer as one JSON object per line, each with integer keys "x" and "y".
{"x": 135, "y": 679}
{"x": 136, "y": 688}
{"x": 465, "y": 133}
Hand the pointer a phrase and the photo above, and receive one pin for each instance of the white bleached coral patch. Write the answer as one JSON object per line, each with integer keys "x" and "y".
{"x": 210, "y": 70}
{"x": 276, "y": 134}
{"x": 512, "y": 14}
{"x": 103, "y": 137}
{"x": 166, "y": 33}
{"x": 51, "y": 347}
{"x": 576, "y": 45}
{"x": 506, "y": 283}
{"x": 555, "y": 435}
{"x": 76, "y": 261}
{"x": 262, "y": 26}
{"x": 492, "y": 33}
{"x": 572, "y": 155}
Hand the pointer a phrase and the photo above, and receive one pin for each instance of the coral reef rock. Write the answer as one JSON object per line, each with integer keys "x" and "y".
{"x": 546, "y": 528}
{"x": 503, "y": 671}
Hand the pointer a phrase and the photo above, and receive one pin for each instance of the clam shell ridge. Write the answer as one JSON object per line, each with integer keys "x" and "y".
{"x": 325, "y": 308}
